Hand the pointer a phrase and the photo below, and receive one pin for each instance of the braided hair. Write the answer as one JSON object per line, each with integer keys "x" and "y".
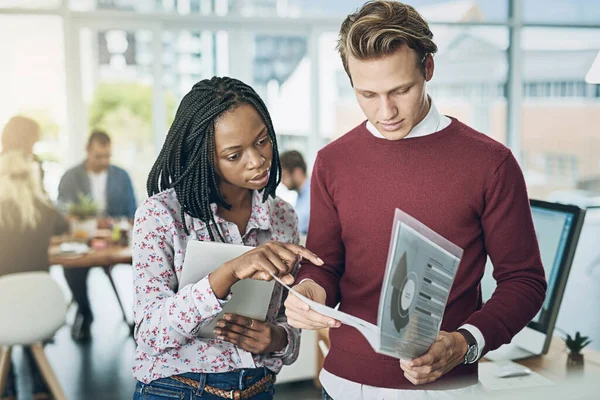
{"x": 186, "y": 160}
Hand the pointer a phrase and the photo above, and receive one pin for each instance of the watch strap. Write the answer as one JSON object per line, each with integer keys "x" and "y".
{"x": 471, "y": 343}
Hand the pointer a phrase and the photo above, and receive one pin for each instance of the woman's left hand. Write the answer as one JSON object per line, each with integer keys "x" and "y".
{"x": 251, "y": 335}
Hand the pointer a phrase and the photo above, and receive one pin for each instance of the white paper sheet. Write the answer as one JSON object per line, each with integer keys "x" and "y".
{"x": 420, "y": 271}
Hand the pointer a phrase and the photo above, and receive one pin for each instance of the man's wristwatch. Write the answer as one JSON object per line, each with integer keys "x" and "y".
{"x": 473, "y": 347}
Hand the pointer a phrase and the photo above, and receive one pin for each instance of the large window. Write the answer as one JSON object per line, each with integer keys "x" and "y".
{"x": 339, "y": 111}
{"x": 560, "y": 111}
{"x": 30, "y": 4}
{"x": 433, "y": 10}
{"x": 32, "y": 78}
{"x": 561, "y": 11}
{"x": 470, "y": 76}
{"x": 134, "y": 60}
{"x": 280, "y": 73}
{"x": 187, "y": 57}
{"x": 182, "y": 7}
{"x": 117, "y": 84}
{"x": 468, "y": 83}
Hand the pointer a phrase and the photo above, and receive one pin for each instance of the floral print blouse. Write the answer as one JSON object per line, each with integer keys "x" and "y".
{"x": 167, "y": 317}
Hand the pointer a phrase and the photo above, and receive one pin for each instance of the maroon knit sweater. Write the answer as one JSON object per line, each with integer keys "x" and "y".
{"x": 460, "y": 183}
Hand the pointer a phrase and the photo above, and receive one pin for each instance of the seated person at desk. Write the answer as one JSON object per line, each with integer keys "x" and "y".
{"x": 293, "y": 176}
{"x": 111, "y": 189}
{"x": 27, "y": 222}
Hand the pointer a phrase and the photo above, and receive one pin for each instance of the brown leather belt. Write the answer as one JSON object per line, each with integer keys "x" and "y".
{"x": 253, "y": 390}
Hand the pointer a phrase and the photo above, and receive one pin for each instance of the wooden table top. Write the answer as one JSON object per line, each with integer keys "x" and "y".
{"x": 554, "y": 364}
{"x": 106, "y": 257}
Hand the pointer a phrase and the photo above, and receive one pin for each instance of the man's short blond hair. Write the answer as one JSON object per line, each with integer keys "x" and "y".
{"x": 379, "y": 28}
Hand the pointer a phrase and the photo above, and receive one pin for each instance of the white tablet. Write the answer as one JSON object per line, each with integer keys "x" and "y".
{"x": 249, "y": 298}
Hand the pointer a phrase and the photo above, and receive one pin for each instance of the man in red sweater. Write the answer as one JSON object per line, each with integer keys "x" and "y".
{"x": 458, "y": 181}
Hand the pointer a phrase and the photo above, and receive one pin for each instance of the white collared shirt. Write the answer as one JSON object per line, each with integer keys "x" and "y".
{"x": 340, "y": 388}
{"x": 98, "y": 189}
{"x": 433, "y": 122}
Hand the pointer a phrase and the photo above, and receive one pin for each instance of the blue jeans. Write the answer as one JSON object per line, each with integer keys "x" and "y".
{"x": 168, "y": 388}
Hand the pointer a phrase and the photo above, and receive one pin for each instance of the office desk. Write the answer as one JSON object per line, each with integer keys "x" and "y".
{"x": 106, "y": 258}
{"x": 95, "y": 258}
{"x": 551, "y": 366}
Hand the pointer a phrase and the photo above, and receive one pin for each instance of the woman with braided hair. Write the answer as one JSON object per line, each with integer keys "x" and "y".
{"x": 214, "y": 180}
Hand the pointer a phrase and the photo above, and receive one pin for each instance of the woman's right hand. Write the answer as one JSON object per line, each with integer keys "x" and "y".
{"x": 270, "y": 258}
{"x": 300, "y": 315}
{"x": 259, "y": 263}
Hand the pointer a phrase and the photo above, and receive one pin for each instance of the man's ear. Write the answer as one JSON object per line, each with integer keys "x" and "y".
{"x": 429, "y": 67}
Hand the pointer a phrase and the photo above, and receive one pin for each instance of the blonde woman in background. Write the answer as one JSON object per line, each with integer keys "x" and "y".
{"x": 22, "y": 133}
{"x": 27, "y": 222}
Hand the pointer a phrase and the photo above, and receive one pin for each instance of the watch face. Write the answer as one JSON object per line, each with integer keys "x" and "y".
{"x": 471, "y": 354}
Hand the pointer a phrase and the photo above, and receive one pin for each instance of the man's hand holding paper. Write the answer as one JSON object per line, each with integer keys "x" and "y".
{"x": 444, "y": 354}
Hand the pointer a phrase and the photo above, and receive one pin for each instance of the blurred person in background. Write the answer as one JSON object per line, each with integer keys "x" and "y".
{"x": 111, "y": 189}
{"x": 22, "y": 133}
{"x": 27, "y": 222}
{"x": 294, "y": 177}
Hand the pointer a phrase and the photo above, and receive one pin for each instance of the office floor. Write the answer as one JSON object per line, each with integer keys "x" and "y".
{"x": 101, "y": 369}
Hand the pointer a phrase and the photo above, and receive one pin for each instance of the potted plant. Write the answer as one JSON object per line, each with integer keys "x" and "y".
{"x": 575, "y": 344}
{"x": 83, "y": 215}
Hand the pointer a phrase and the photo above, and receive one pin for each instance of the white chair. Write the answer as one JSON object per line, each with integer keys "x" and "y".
{"x": 32, "y": 309}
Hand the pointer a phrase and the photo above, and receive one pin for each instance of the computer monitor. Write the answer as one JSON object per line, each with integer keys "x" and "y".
{"x": 557, "y": 227}
{"x": 581, "y": 301}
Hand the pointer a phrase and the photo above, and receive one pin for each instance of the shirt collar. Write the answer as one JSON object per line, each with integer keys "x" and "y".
{"x": 260, "y": 217}
{"x": 430, "y": 124}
